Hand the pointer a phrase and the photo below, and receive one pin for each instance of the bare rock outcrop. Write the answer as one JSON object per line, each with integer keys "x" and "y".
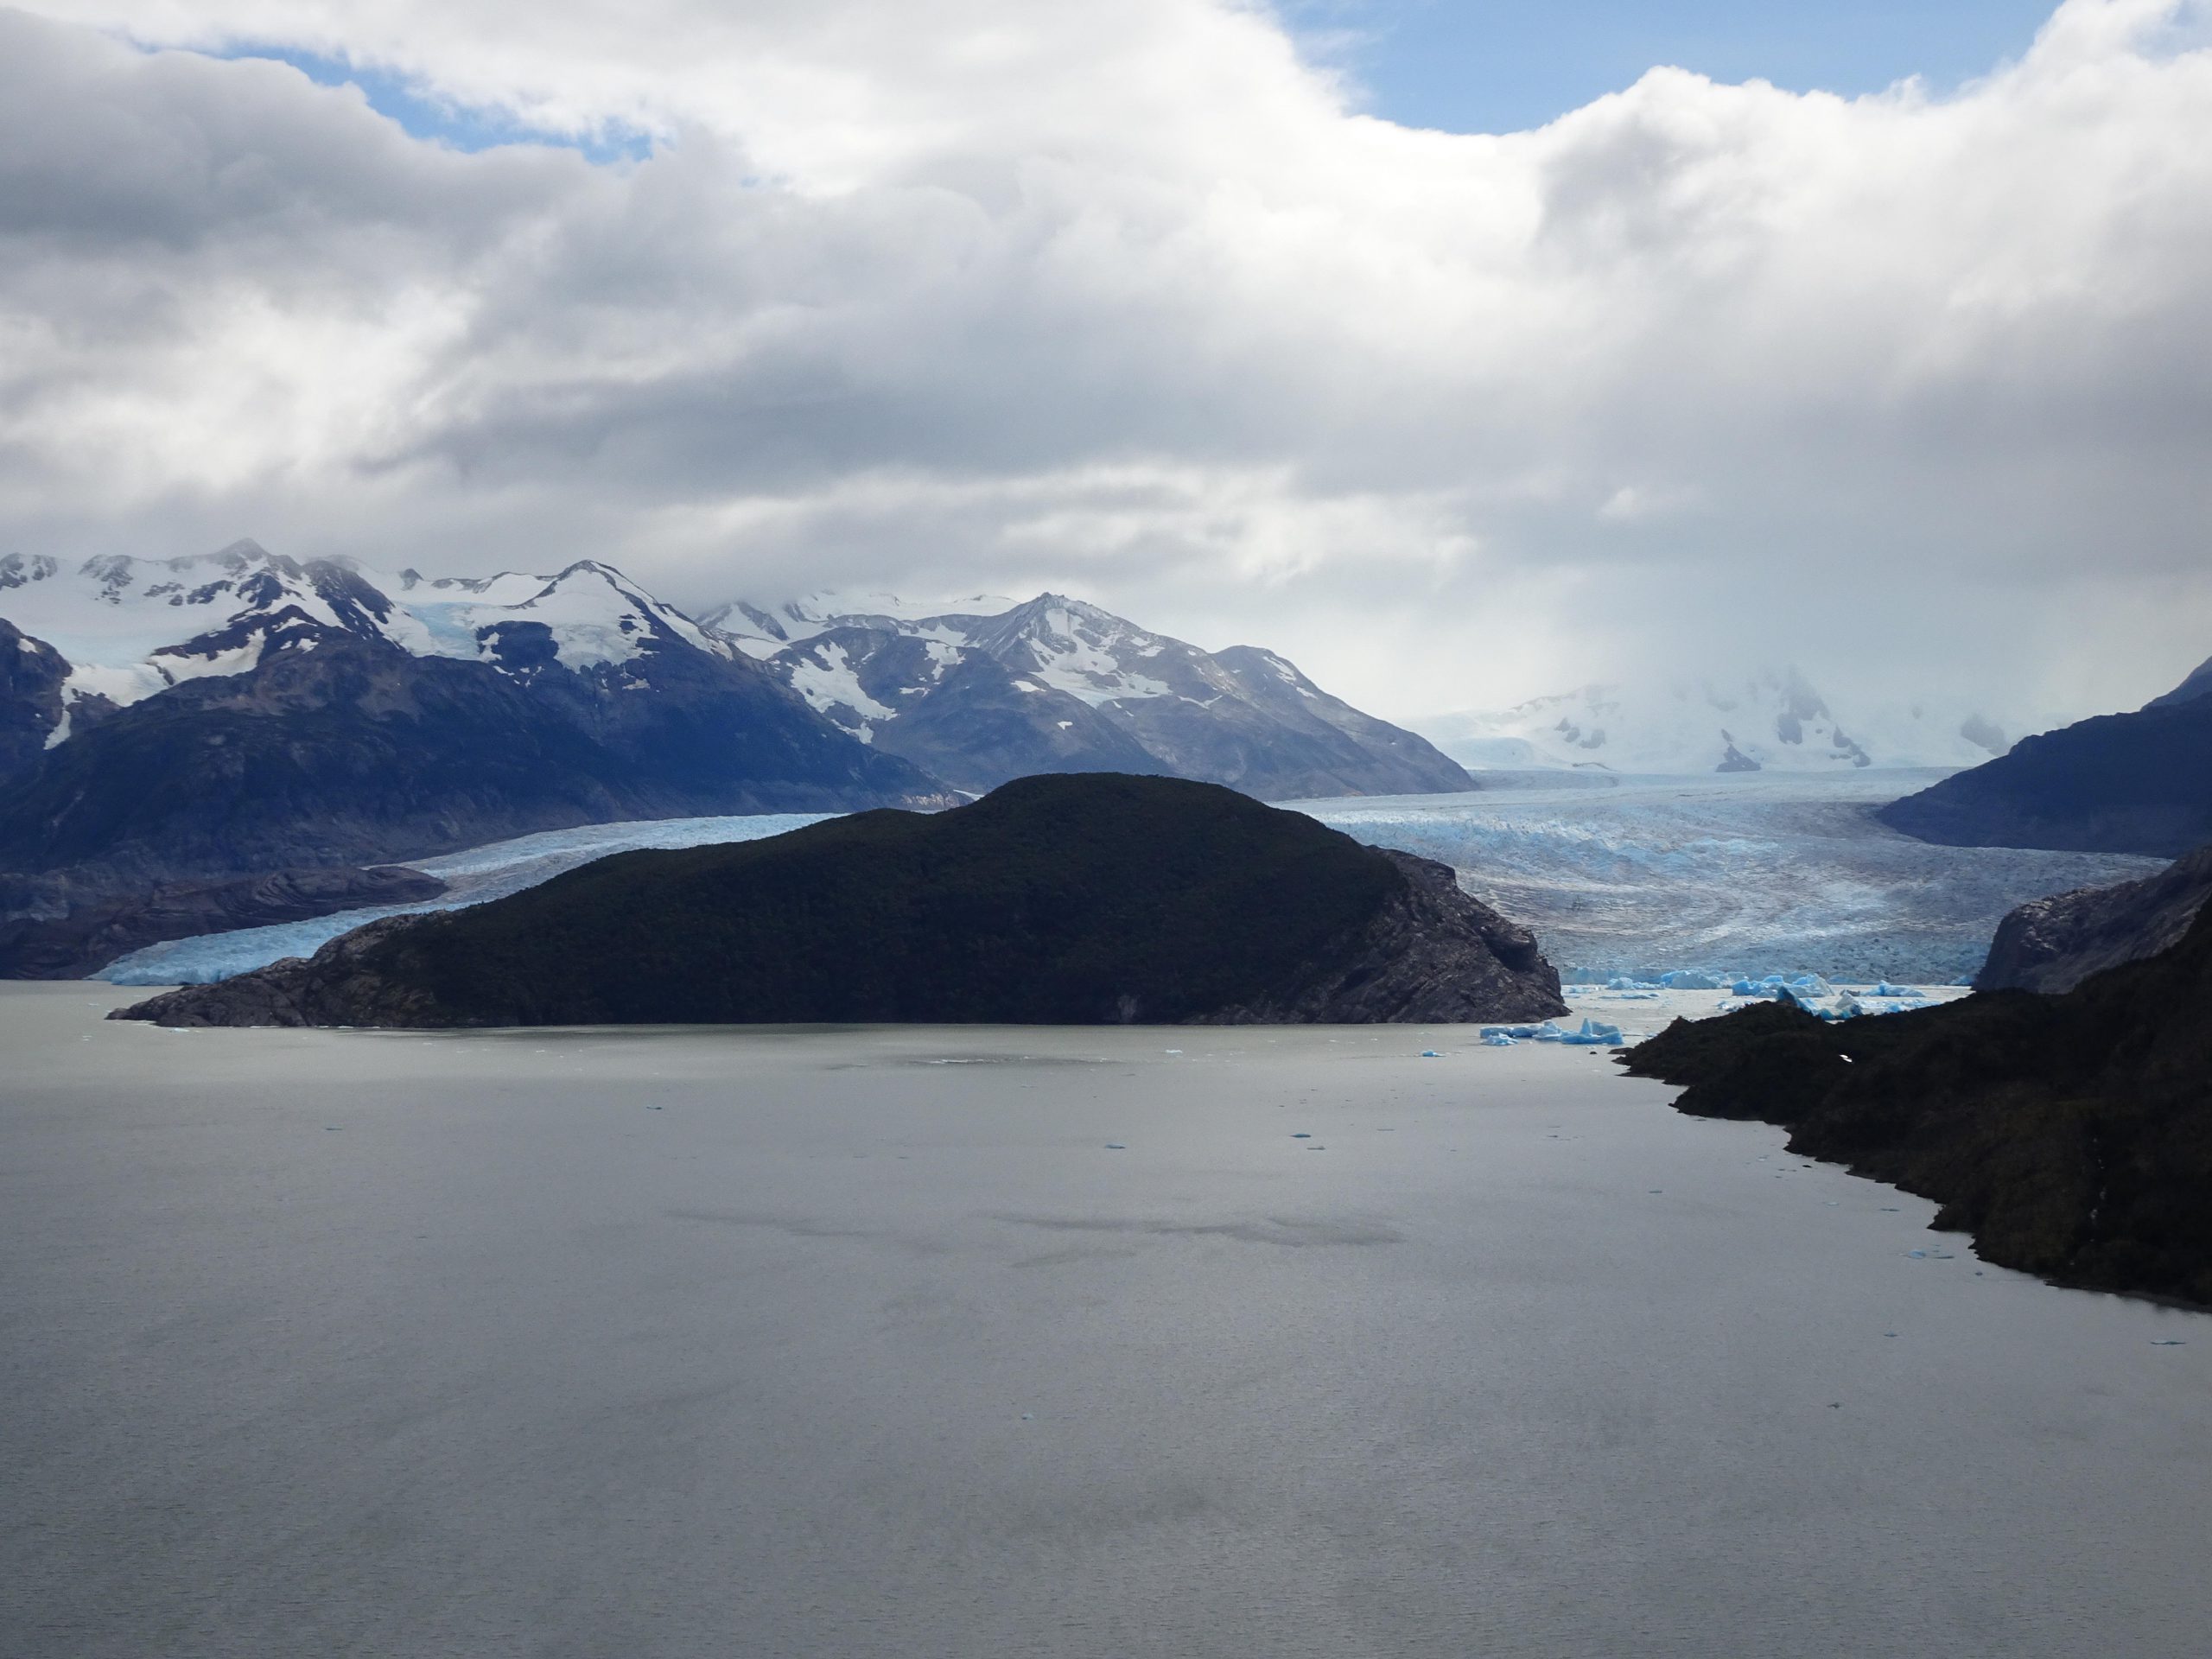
{"x": 2053, "y": 945}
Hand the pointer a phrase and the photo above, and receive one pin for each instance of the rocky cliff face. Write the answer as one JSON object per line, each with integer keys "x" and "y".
{"x": 2053, "y": 945}
{"x": 1432, "y": 955}
{"x": 54, "y": 929}
{"x": 1065, "y": 899}
{"x": 32, "y": 674}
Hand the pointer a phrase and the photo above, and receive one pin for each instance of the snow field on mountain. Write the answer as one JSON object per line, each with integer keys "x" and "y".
{"x": 1771, "y": 721}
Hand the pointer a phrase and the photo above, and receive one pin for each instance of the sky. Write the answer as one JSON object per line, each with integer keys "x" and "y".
{"x": 1498, "y": 66}
{"x": 1462, "y": 353}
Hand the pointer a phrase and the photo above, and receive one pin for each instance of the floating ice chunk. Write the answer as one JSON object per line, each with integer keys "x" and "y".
{"x": 1430, "y": 1054}
{"x": 1689, "y": 979}
{"x": 1592, "y": 1034}
{"x": 1498, "y": 1040}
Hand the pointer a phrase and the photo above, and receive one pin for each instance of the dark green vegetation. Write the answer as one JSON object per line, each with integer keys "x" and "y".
{"x": 2072, "y": 1134}
{"x": 1056, "y": 899}
{"x": 2131, "y": 783}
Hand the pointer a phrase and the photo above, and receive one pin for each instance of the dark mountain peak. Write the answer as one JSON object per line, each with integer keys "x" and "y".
{"x": 2199, "y": 685}
{"x": 2126, "y": 783}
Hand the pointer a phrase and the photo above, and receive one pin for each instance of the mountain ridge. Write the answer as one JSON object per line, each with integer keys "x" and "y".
{"x": 2134, "y": 782}
{"x": 1059, "y": 683}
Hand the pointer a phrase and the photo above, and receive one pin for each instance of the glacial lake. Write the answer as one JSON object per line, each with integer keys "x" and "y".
{"x": 974, "y": 1341}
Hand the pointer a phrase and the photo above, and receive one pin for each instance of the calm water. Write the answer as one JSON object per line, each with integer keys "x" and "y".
{"x": 864, "y": 1343}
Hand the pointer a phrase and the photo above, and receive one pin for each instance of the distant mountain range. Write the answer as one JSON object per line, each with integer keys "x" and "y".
{"x": 981, "y": 691}
{"x": 243, "y": 712}
{"x": 1772, "y": 719}
{"x": 2125, "y": 783}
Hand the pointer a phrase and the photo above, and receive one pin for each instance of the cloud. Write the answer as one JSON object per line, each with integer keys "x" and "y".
{"x": 1131, "y": 299}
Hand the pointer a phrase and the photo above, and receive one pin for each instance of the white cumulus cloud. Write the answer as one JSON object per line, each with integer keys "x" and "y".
{"x": 982, "y": 293}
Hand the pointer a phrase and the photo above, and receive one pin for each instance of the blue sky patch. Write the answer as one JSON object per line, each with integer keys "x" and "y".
{"x": 1502, "y": 65}
{"x": 427, "y": 114}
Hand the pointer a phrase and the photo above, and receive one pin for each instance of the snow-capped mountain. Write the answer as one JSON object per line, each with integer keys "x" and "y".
{"x": 979, "y": 691}
{"x": 128, "y": 628}
{"x": 179, "y": 719}
{"x": 241, "y": 710}
{"x": 1771, "y": 720}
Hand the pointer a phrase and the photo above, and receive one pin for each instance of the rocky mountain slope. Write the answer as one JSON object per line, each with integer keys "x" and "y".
{"x": 2127, "y": 783}
{"x": 1063, "y": 900}
{"x": 246, "y": 712}
{"x": 2053, "y": 945}
{"x": 1772, "y": 719}
{"x": 2071, "y": 1134}
{"x": 992, "y": 689}
{"x": 52, "y": 932}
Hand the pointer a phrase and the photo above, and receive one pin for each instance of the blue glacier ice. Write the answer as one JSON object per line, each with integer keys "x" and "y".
{"x": 1748, "y": 881}
{"x": 472, "y": 877}
{"x": 1745, "y": 875}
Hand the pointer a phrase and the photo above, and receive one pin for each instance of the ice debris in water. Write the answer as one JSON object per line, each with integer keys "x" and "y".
{"x": 1430, "y": 1054}
{"x": 1678, "y": 979}
{"x": 1816, "y": 996}
{"x": 1591, "y": 1033}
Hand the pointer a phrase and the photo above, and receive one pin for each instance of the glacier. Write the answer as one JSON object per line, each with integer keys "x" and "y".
{"x": 1724, "y": 876}
{"x": 473, "y": 877}
{"x": 1655, "y": 890}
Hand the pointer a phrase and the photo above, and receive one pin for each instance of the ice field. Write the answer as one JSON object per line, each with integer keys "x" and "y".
{"x": 1733, "y": 875}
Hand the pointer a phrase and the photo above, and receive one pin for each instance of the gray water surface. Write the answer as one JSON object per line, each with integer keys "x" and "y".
{"x": 865, "y": 1342}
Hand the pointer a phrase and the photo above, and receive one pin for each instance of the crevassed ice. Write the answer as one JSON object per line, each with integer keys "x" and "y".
{"x": 1751, "y": 874}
